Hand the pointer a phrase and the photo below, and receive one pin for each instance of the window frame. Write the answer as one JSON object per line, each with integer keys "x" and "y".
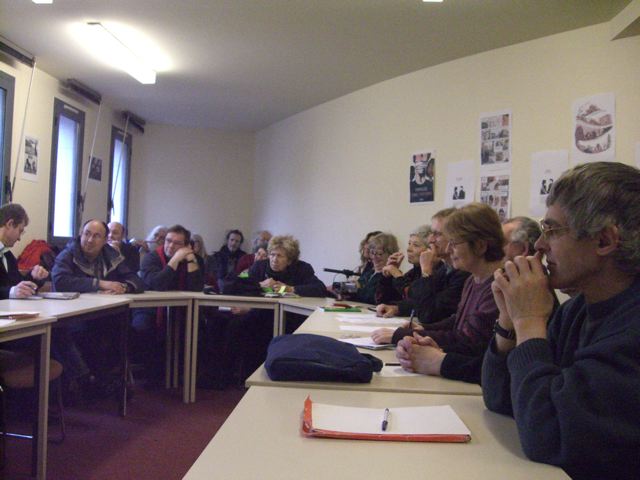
{"x": 118, "y": 134}
{"x": 61, "y": 108}
{"x": 8, "y": 84}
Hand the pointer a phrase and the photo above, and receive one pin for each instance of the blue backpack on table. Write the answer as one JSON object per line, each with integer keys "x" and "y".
{"x": 317, "y": 358}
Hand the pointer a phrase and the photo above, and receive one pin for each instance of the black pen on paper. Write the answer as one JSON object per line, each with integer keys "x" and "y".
{"x": 413, "y": 313}
{"x": 385, "y": 420}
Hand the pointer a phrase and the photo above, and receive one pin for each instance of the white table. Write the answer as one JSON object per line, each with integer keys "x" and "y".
{"x": 307, "y": 306}
{"x": 184, "y": 300}
{"x": 88, "y": 306}
{"x": 40, "y": 327}
{"x": 261, "y": 440}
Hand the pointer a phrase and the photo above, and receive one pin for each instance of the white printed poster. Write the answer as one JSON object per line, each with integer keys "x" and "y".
{"x": 422, "y": 176}
{"x": 594, "y": 132}
{"x": 495, "y": 140}
{"x": 30, "y": 166}
{"x": 461, "y": 184}
{"x": 546, "y": 167}
{"x": 495, "y": 191}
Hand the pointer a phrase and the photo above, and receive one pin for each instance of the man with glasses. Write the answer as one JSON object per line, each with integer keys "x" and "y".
{"x": 436, "y": 294}
{"x": 573, "y": 386}
{"x": 172, "y": 266}
{"x": 88, "y": 264}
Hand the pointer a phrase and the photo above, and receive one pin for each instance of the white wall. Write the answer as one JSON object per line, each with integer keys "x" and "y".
{"x": 200, "y": 178}
{"x": 334, "y": 172}
{"x": 34, "y": 196}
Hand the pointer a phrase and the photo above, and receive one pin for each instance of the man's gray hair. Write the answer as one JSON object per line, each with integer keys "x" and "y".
{"x": 601, "y": 194}
{"x": 422, "y": 232}
{"x": 527, "y": 230}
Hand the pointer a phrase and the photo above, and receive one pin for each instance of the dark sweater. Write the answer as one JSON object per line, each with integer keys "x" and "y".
{"x": 299, "y": 275}
{"x": 393, "y": 289}
{"x": 436, "y": 297}
{"x": 11, "y": 276}
{"x": 469, "y": 330}
{"x": 575, "y": 396}
{"x": 157, "y": 275}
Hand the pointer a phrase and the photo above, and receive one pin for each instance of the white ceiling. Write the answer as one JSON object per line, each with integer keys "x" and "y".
{"x": 241, "y": 65}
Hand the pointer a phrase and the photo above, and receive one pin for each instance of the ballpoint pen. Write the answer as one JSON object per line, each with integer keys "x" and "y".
{"x": 413, "y": 313}
{"x": 385, "y": 420}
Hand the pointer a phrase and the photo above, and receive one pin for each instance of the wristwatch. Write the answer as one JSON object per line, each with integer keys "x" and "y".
{"x": 503, "y": 332}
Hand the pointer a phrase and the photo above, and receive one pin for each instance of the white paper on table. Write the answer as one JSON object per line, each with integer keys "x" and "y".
{"x": 359, "y": 328}
{"x": 5, "y": 322}
{"x": 390, "y": 321}
{"x": 433, "y": 420}
{"x": 395, "y": 371}
{"x": 367, "y": 342}
{"x": 17, "y": 315}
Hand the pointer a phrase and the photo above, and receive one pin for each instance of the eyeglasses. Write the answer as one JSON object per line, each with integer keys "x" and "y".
{"x": 549, "y": 232}
{"x": 452, "y": 244}
{"x": 376, "y": 253}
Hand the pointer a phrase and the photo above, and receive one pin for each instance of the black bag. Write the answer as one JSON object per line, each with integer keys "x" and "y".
{"x": 317, "y": 358}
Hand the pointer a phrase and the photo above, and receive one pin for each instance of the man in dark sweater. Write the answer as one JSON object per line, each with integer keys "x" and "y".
{"x": 13, "y": 221}
{"x": 573, "y": 386}
{"x": 173, "y": 266}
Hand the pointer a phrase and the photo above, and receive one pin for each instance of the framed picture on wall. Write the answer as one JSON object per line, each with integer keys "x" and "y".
{"x": 95, "y": 169}
{"x": 422, "y": 177}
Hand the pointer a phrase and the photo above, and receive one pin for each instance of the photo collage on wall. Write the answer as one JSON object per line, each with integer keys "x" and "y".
{"x": 495, "y": 161}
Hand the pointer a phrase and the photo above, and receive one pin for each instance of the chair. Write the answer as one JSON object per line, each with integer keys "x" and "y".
{"x": 17, "y": 373}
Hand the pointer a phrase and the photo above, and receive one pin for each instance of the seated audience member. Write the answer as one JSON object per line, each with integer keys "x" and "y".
{"x": 521, "y": 234}
{"x": 394, "y": 285}
{"x": 573, "y": 385}
{"x": 154, "y": 240}
{"x": 365, "y": 260}
{"x": 13, "y": 221}
{"x": 249, "y": 335}
{"x": 259, "y": 251}
{"x": 174, "y": 266}
{"x": 223, "y": 262}
{"x": 198, "y": 246}
{"x": 432, "y": 297}
{"x": 88, "y": 264}
{"x": 475, "y": 245}
{"x": 380, "y": 247}
{"x": 118, "y": 240}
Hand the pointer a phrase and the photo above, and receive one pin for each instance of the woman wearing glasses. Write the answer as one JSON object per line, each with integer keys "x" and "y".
{"x": 475, "y": 244}
{"x": 380, "y": 246}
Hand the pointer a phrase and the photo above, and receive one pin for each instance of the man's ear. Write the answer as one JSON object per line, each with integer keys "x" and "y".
{"x": 608, "y": 240}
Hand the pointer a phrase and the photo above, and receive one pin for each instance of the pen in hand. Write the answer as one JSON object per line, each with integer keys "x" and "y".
{"x": 385, "y": 420}
{"x": 413, "y": 313}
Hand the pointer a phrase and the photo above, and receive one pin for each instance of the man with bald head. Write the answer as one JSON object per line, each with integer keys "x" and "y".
{"x": 89, "y": 264}
{"x": 117, "y": 238}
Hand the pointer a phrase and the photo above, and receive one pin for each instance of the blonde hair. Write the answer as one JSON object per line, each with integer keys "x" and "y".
{"x": 288, "y": 244}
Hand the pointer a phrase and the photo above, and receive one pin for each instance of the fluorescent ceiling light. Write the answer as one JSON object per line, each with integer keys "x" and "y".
{"x": 432, "y": 1}
{"x": 115, "y": 52}
{"x": 42, "y": 2}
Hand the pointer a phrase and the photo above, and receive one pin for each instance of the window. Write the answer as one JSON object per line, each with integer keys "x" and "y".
{"x": 7, "y": 84}
{"x": 118, "y": 201}
{"x": 66, "y": 168}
